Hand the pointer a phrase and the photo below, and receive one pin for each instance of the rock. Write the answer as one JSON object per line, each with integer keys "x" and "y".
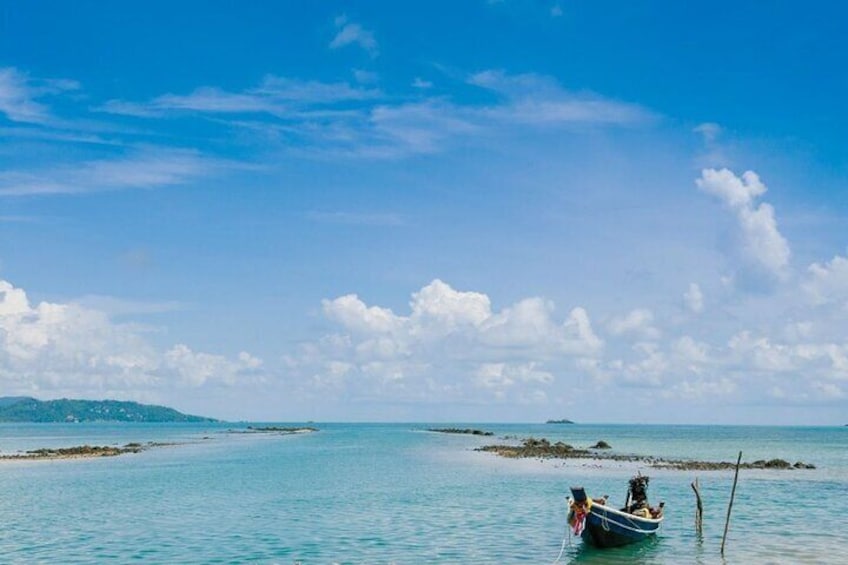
{"x": 461, "y": 431}
{"x": 802, "y": 465}
{"x": 601, "y": 445}
{"x": 536, "y": 448}
{"x": 772, "y": 464}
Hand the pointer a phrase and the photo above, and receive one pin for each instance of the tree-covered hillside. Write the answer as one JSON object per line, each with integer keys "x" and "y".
{"x": 24, "y": 409}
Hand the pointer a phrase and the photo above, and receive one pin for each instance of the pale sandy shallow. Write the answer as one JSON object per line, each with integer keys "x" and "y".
{"x": 68, "y": 453}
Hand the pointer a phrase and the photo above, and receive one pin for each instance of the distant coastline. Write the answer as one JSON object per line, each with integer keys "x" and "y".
{"x": 24, "y": 409}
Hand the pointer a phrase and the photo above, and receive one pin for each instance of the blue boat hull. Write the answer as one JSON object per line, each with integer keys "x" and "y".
{"x": 607, "y": 527}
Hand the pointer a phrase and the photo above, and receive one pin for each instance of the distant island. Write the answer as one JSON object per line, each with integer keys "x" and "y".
{"x": 563, "y": 421}
{"x": 26, "y": 409}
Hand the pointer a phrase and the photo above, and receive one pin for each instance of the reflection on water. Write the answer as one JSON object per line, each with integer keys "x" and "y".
{"x": 647, "y": 551}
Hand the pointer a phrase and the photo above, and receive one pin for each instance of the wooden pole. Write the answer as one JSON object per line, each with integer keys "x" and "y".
{"x": 699, "y": 512}
{"x": 730, "y": 506}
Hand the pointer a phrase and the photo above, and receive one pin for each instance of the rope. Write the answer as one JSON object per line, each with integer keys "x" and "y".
{"x": 562, "y": 547}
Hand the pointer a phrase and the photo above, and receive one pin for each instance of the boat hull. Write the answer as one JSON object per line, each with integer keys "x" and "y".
{"x": 607, "y": 527}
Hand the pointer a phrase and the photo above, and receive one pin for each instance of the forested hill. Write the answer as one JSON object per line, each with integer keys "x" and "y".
{"x": 25, "y": 409}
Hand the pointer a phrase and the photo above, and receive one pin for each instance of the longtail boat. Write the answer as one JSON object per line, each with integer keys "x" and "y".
{"x": 604, "y": 526}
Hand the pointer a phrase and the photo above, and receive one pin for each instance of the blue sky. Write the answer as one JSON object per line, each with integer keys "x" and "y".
{"x": 476, "y": 211}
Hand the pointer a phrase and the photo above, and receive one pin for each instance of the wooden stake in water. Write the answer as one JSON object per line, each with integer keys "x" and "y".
{"x": 730, "y": 506}
{"x": 699, "y": 512}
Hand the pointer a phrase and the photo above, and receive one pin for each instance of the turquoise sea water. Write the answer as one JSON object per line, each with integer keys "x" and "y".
{"x": 394, "y": 493}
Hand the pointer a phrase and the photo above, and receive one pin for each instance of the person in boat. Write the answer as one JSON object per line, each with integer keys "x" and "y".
{"x": 637, "y": 499}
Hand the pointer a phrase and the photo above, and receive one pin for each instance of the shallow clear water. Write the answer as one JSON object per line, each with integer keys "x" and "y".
{"x": 393, "y": 493}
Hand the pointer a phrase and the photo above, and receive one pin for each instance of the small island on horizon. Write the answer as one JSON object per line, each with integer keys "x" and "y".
{"x": 562, "y": 421}
{"x": 25, "y": 409}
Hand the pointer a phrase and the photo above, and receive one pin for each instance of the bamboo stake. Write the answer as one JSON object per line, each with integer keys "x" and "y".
{"x": 699, "y": 513}
{"x": 730, "y": 506}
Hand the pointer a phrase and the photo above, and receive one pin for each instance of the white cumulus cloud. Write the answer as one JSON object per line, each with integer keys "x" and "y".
{"x": 451, "y": 343}
{"x": 440, "y": 303}
{"x": 57, "y": 349}
{"x": 197, "y": 368}
{"x": 828, "y": 283}
{"x": 760, "y": 250}
{"x": 353, "y": 314}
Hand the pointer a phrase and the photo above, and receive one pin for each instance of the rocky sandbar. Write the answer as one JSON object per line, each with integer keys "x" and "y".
{"x": 79, "y": 452}
{"x": 544, "y": 449}
{"x": 468, "y": 431}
